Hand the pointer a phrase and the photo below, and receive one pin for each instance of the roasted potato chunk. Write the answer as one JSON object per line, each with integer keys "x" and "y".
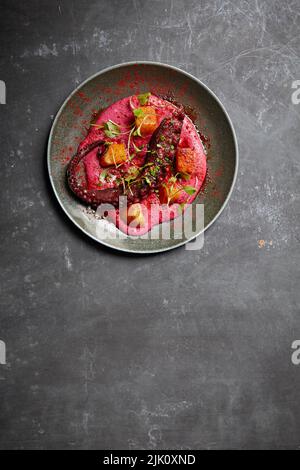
{"x": 186, "y": 161}
{"x": 135, "y": 216}
{"x": 114, "y": 155}
{"x": 170, "y": 192}
{"x": 146, "y": 120}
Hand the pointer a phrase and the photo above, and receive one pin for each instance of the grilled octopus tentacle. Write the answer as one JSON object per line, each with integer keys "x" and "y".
{"x": 161, "y": 151}
{"x": 90, "y": 196}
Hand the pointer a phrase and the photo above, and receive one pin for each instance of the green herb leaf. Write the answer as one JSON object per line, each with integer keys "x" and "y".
{"x": 138, "y": 112}
{"x": 137, "y": 149}
{"x": 103, "y": 176}
{"x": 173, "y": 179}
{"x": 133, "y": 171}
{"x": 109, "y": 134}
{"x": 111, "y": 129}
{"x": 189, "y": 189}
{"x": 143, "y": 98}
{"x": 147, "y": 164}
{"x": 129, "y": 179}
{"x": 137, "y": 132}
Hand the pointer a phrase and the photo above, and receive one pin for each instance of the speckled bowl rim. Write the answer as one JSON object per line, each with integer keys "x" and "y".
{"x": 187, "y": 74}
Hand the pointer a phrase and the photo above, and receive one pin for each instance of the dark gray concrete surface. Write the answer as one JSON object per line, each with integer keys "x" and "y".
{"x": 183, "y": 350}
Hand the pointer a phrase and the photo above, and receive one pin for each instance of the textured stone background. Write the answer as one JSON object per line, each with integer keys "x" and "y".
{"x": 180, "y": 350}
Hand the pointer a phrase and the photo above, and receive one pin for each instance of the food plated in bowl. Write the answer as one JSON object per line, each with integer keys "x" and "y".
{"x": 152, "y": 133}
{"x": 145, "y": 148}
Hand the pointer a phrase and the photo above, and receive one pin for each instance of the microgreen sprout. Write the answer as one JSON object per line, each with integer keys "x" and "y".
{"x": 143, "y": 98}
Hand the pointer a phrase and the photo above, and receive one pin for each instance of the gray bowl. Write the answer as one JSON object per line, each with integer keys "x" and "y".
{"x": 112, "y": 84}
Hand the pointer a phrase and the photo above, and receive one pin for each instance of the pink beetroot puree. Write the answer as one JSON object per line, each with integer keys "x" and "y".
{"x": 100, "y": 177}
